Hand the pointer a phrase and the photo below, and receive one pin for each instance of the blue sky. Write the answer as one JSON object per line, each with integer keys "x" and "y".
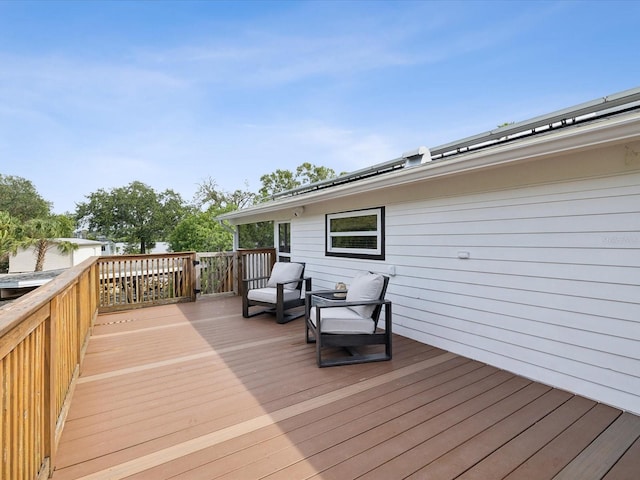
{"x": 97, "y": 94}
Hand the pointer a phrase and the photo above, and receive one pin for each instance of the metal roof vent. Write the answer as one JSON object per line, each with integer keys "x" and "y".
{"x": 415, "y": 158}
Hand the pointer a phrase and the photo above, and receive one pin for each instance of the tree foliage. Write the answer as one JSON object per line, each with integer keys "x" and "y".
{"x": 308, "y": 173}
{"x": 9, "y": 232}
{"x": 46, "y": 233}
{"x": 283, "y": 180}
{"x": 210, "y": 195}
{"x": 200, "y": 232}
{"x": 19, "y": 198}
{"x": 255, "y": 235}
{"x": 139, "y": 216}
{"x": 135, "y": 214}
{"x": 276, "y": 182}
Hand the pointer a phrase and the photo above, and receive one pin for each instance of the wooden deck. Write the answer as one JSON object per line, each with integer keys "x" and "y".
{"x": 195, "y": 391}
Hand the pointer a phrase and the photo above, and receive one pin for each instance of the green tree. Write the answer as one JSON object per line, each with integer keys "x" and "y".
{"x": 200, "y": 232}
{"x": 276, "y": 182}
{"x": 210, "y": 195}
{"x": 255, "y": 235}
{"x": 283, "y": 180}
{"x": 20, "y": 199}
{"x": 9, "y": 231}
{"x": 218, "y": 201}
{"x": 260, "y": 234}
{"x": 308, "y": 173}
{"x": 135, "y": 214}
{"x": 46, "y": 233}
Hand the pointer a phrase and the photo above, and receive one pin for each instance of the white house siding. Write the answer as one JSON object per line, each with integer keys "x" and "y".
{"x": 551, "y": 286}
{"x": 86, "y": 251}
{"x": 25, "y": 259}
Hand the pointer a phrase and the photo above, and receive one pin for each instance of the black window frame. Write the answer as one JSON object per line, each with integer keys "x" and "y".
{"x": 283, "y": 232}
{"x": 378, "y": 254}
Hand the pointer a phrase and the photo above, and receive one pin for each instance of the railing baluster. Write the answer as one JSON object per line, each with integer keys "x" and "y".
{"x": 145, "y": 280}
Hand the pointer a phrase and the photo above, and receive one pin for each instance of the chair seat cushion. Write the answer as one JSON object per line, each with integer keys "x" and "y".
{"x": 270, "y": 295}
{"x": 342, "y": 320}
{"x": 285, "y": 272}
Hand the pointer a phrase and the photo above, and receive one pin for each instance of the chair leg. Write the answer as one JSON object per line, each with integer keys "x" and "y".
{"x": 310, "y": 338}
{"x": 280, "y": 318}
{"x": 245, "y": 306}
{"x": 388, "y": 329}
{"x": 319, "y": 351}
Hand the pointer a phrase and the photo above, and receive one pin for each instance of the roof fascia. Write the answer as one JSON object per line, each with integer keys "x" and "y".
{"x": 571, "y": 139}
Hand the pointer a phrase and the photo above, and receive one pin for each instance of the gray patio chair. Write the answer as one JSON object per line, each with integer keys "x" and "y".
{"x": 350, "y": 323}
{"x": 279, "y": 292}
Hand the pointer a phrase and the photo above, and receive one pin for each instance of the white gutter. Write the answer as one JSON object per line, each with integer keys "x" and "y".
{"x": 575, "y": 138}
{"x": 566, "y": 116}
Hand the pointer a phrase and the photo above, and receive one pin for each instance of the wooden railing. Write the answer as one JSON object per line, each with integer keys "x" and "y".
{"x": 222, "y": 273}
{"x": 253, "y": 263}
{"x": 134, "y": 281}
{"x": 44, "y": 334}
{"x": 217, "y": 273}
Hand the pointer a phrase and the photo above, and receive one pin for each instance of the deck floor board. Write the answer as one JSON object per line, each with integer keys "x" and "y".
{"x": 195, "y": 391}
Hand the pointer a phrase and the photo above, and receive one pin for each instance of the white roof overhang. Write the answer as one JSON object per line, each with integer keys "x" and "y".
{"x": 601, "y": 132}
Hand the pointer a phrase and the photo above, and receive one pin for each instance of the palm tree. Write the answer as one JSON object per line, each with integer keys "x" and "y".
{"x": 45, "y": 233}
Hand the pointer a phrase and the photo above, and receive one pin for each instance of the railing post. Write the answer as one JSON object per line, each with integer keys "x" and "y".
{"x": 272, "y": 256}
{"x": 240, "y": 274}
{"x": 192, "y": 275}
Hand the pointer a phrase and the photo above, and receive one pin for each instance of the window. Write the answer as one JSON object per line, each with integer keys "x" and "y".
{"x": 284, "y": 241}
{"x": 356, "y": 234}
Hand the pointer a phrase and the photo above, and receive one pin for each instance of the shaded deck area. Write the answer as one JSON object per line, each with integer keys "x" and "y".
{"x": 195, "y": 391}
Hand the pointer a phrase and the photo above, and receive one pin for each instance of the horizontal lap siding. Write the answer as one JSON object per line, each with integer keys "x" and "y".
{"x": 550, "y": 289}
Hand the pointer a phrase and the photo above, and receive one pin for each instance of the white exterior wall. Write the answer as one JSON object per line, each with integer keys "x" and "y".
{"x": 25, "y": 260}
{"x": 551, "y": 286}
{"x": 84, "y": 252}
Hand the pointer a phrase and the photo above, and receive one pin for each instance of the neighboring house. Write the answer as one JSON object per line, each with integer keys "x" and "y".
{"x": 119, "y": 248}
{"x": 107, "y": 247}
{"x": 519, "y": 247}
{"x": 25, "y": 259}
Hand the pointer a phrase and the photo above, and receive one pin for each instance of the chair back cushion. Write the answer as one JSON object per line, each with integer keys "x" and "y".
{"x": 286, "y": 272}
{"x": 365, "y": 286}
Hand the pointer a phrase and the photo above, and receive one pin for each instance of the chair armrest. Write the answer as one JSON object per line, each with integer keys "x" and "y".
{"x": 255, "y": 278}
{"x": 290, "y": 281}
{"x": 246, "y": 281}
{"x": 343, "y": 303}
